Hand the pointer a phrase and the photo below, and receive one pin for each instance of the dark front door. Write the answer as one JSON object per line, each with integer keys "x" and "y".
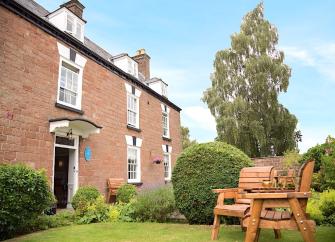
{"x": 61, "y": 176}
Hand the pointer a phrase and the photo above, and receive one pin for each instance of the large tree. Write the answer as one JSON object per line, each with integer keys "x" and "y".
{"x": 246, "y": 82}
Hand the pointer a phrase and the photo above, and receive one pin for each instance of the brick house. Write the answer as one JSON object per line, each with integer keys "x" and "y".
{"x": 70, "y": 107}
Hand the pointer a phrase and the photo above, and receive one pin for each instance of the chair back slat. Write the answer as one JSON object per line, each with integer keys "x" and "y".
{"x": 305, "y": 176}
{"x": 254, "y": 177}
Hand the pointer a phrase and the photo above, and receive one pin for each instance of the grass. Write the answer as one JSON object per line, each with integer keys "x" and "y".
{"x": 154, "y": 232}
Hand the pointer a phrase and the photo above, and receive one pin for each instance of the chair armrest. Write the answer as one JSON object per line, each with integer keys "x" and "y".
{"x": 276, "y": 195}
{"x": 225, "y": 190}
{"x": 225, "y": 194}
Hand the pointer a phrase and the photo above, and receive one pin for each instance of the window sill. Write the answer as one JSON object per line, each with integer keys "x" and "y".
{"x": 166, "y": 138}
{"x": 136, "y": 183}
{"x": 133, "y": 128}
{"x": 58, "y": 105}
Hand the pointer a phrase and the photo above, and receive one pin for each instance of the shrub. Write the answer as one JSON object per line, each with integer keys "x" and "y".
{"x": 125, "y": 193}
{"x": 201, "y": 168}
{"x": 291, "y": 159}
{"x": 43, "y": 222}
{"x": 96, "y": 211}
{"x": 84, "y": 197}
{"x": 313, "y": 208}
{"x": 327, "y": 206}
{"x": 123, "y": 212}
{"x": 24, "y": 195}
{"x": 154, "y": 205}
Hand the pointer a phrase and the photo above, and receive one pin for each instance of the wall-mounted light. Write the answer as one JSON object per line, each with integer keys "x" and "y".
{"x": 69, "y": 134}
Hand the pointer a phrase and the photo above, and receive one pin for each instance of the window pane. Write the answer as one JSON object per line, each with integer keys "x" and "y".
{"x": 69, "y": 25}
{"x": 61, "y": 94}
{"x": 63, "y": 77}
{"x": 73, "y": 99}
{"x": 78, "y": 30}
{"x": 69, "y": 80}
{"x": 74, "y": 82}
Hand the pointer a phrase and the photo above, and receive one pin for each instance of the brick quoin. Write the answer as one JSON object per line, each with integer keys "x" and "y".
{"x": 29, "y": 65}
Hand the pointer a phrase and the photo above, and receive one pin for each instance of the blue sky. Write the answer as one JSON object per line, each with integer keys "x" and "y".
{"x": 182, "y": 38}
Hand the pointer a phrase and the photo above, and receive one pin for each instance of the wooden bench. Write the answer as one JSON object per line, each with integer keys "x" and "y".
{"x": 250, "y": 178}
{"x": 259, "y": 217}
{"x": 113, "y": 184}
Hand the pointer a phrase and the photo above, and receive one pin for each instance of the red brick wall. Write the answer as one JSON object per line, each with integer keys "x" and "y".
{"x": 29, "y": 63}
{"x": 276, "y": 161}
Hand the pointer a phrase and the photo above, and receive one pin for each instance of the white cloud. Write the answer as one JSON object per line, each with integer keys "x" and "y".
{"x": 200, "y": 121}
{"x": 312, "y": 136}
{"x": 298, "y": 54}
{"x": 318, "y": 56}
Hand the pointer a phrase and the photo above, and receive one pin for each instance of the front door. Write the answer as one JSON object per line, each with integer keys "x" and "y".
{"x": 61, "y": 176}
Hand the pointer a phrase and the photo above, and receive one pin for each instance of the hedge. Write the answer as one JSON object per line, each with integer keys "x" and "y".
{"x": 25, "y": 194}
{"x": 201, "y": 168}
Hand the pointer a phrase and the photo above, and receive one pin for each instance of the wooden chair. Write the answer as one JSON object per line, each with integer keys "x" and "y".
{"x": 258, "y": 217}
{"x": 250, "y": 177}
{"x": 112, "y": 185}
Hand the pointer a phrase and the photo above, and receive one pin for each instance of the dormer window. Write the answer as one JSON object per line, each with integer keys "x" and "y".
{"x": 126, "y": 63}
{"x": 73, "y": 26}
{"x": 69, "y": 22}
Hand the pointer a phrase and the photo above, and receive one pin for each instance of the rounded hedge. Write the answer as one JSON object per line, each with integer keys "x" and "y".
{"x": 24, "y": 194}
{"x": 201, "y": 168}
{"x": 84, "y": 197}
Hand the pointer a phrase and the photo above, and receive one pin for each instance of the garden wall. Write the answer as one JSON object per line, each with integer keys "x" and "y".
{"x": 276, "y": 161}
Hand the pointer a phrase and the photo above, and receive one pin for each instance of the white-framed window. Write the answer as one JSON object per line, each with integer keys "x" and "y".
{"x": 164, "y": 90}
{"x": 133, "y": 158}
{"x": 70, "y": 77}
{"x": 167, "y": 151}
{"x": 134, "y": 161}
{"x": 68, "y": 84}
{"x": 165, "y": 121}
{"x": 73, "y": 26}
{"x": 167, "y": 166}
{"x": 132, "y": 104}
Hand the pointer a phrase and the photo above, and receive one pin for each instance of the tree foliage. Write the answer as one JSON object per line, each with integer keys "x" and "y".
{"x": 185, "y": 137}
{"x": 246, "y": 82}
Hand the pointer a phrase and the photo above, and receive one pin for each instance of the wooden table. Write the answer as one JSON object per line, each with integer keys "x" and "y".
{"x": 276, "y": 198}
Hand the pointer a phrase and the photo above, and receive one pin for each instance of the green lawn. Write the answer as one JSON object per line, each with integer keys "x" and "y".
{"x": 147, "y": 232}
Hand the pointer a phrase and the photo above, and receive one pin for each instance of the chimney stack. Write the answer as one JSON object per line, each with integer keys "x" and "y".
{"x": 143, "y": 61}
{"x": 75, "y": 7}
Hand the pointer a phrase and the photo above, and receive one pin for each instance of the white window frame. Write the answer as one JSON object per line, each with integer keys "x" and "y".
{"x": 138, "y": 164}
{"x": 79, "y": 84}
{"x": 164, "y": 90}
{"x": 136, "y": 124}
{"x": 75, "y": 23}
{"x": 166, "y": 111}
{"x": 137, "y": 94}
{"x": 167, "y": 178}
{"x": 165, "y": 128}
